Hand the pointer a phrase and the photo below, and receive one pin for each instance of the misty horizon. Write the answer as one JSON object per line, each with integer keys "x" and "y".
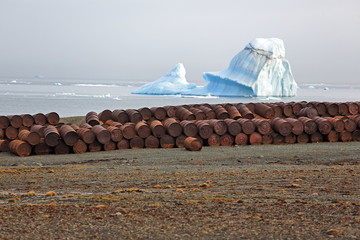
{"x": 141, "y": 40}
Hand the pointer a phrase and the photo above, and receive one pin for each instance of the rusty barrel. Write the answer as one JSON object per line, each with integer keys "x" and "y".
{"x": 123, "y": 144}
{"x": 11, "y": 132}
{"x": 255, "y": 138}
{"x": 199, "y": 114}
{"x": 233, "y": 126}
{"x": 337, "y": 124}
{"x": 145, "y": 113}
{"x": 95, "y": 146}
{"x": 80, "y": 146}
{"x": 86, "y": 135}
{"x": 52, "y": 136}
{"x": 159, "y": 113}
{"x": 290, "y": 139}
{"x": 356, "y": 119}
{"x": 345, "y": 136}
{"x": 205, "y": 129}
{"x": 286, "y": 109}
{"x": 68, "y": 135}
{"x": 85, "y": 125}
{"x": 120, "y": 116}
{"x": 173, "y": 128}
{"x": 32, "y": 138}
{"x": 15, "y": 121}
{"x": 152, "y": 142}
{"x": 226, "y": 140}
{"x": 281, "y": 126}
{"x": 4, "y": 145}
{"x": 110, "y": 146}
{"x": 105, "y": 115}
{"x": 4, "y": 122}
{"x": 297, "y": 125}
{"x": 233, "y": 111}
{"x": 2, "y": 134}
{"x": 170, "y": 111}
{"x": 179, "y": 141}
{"x": 116, "y": 124}
{"x": 27, "y": 120}
{"x": 267, "y": 139}
{"x": 53, "y": 118}
{"x": 278, "y": 138}
{"x": 343, "y": 109}
{"x": 115, "y": 133}
{"x": 324, "y": 126}
{"x": 353, "y": 108}
{"x": 74, "y": 126}
{"x": 310, "y": 125}
{"x": 92, "y": 118}
{"x": 244, "y": 111}
{"x": 134, "y": 115}
{"x": 213, "y": 140}
{"x": 210, "y": 114}
{"x": 309, "y": 112}
{"x": 39, "y": 129}
{"x": 264, "y": 110}
{"x": 356, "y": 135}
{"x": 20, "y": 148}
{"x": 219, "y": 126}
{"x": 320, "y": 107}
{"x": 350, "y": 125}
{"x": 39, "y": 119}
{"x": 296, "y": 106}
{"x": 184, "y": 114}
{"x": 241, "y": 139}
{"x": 192, "y": 144}
{"x": 220, "y": 111}
{"x": 142, "y": 129}
{"x": 61, "y": 148}
{"x": 332, "y": 108}
{"x": 247, "y": 126}
{"x": 41, "y": 149}
{"x": 157, "y": 128}
{"x": 251, "y": 107}
{"x": 102, "y": 135}
{"x": 128, "y": 130}
{"x": 302, "y": 138}
{"x": 316, "y": 137}
{"x": 189, "y": 128}
{"x": 262, "y": 126}
{"x": 278, "y": 112}
{"x": 333, "y": 136}
{"x": 136, "y": 142}
{"x": 167, "y": 141}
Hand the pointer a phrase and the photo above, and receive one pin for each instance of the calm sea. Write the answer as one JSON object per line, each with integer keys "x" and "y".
{"x": 72, "y": 97}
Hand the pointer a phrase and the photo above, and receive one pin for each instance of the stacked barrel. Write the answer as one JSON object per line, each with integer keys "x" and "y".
{"x": 184, "y": 126}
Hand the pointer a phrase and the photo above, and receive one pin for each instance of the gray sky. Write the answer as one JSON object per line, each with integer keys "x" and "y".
{"x": 143, "y": 39}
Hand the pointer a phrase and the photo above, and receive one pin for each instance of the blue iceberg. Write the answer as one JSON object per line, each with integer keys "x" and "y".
{"x": 259, "y": 70}
{"x": 172, "y": 83}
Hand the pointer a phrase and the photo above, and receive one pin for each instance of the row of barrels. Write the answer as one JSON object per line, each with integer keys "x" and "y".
{"x": 224, "y": 111}
{"x": 169, "y": 133}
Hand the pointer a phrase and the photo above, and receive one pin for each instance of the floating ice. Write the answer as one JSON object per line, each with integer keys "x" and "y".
{"x": 259, "y": 70}
{"x": 173, "y": 82}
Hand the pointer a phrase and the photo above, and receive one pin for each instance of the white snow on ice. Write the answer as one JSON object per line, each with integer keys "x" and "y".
{"x": 259, "y": 70}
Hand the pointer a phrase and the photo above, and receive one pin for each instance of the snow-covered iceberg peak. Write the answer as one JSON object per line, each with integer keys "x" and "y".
{"x": 173, "y": 82}
{"x": 260, "y": 69}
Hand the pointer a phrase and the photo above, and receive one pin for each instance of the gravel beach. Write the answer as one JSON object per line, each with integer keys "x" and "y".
{"x": 299, "y": 191}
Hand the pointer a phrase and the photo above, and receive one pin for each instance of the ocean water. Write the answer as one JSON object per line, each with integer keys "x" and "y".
{"x": 75, "y": 97}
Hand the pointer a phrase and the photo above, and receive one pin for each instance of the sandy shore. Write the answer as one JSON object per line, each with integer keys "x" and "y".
{"x": 295, "y": 191}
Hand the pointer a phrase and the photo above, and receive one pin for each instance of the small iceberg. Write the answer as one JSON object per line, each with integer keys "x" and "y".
{"x": 259, "y": 70}
{"x": 172, "y": 83}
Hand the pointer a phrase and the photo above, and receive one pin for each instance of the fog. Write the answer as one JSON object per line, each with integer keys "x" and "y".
{"x": 142, "y": 39}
